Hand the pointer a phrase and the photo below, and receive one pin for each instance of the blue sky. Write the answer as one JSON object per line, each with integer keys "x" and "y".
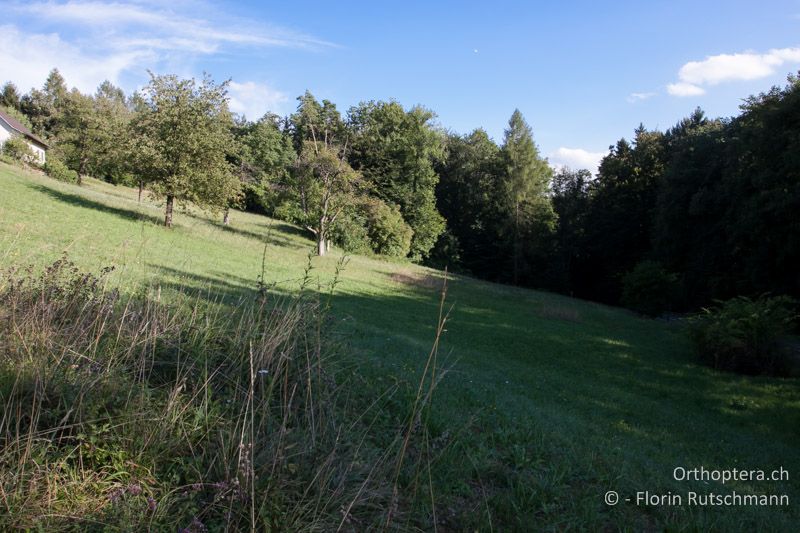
{"x": 583, "y": 73}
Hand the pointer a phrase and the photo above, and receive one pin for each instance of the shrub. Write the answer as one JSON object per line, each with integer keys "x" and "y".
{"x": 121, "y": 178}
{"x": 388, "y": 233}
{"x": 17, "y": 149}
{"x": 446, "y": 253}
{"x": 56, "y": 169}
{"x": 649, "y": 289}
{"x": 741, "y": 335}
{"x": 350, "y": 233}
{"x": 373, "y": 226}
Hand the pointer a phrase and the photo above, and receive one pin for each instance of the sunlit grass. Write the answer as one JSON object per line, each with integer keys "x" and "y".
{"x": 549, "y": 402}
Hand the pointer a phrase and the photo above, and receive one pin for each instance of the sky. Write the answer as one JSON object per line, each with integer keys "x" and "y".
{"x": 584, "y": 74}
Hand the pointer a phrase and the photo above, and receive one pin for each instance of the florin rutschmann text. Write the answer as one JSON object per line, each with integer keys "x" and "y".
{"x": 711, "y": 498}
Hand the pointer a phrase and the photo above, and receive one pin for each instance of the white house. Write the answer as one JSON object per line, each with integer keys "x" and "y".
{"x": 9, "y": 127}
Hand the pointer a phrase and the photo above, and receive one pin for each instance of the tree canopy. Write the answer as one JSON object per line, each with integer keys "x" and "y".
{"x": 181, "y": 136}
{"x": 704, "y": 210}
{"x": 396, "y": 151}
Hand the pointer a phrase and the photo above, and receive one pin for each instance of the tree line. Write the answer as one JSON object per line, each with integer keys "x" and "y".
{"x": 705, "y": 210}
{"x": 673, "y": 220}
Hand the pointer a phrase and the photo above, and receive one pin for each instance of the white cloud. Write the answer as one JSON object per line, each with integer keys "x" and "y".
{"x": 124, "y": 17}
{"x": 576, "y": 158}
{"x": 639, "y": 97}
{"x": 255, "y": 99}
{"x": 723, "y": 68}
{"x": 684, "y": 89}
{"x": 731, "y": 67}
{"x": 90, "y": 41}
{"x": 27, "y": 59}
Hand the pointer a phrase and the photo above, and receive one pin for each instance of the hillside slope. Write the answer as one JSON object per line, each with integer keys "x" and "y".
{"x": 548, "y": 402}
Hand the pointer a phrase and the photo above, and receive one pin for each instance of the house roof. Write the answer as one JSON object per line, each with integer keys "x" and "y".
{"x": 17, "y": 126}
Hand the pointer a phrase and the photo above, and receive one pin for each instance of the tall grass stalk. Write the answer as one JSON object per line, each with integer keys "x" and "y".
{"x": 161, "y": 413}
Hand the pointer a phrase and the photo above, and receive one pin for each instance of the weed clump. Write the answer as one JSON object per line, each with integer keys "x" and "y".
{"x": 742, "y": 334}
{"x": 56, "y": 169}
{"x": 131, "y": 413}
{"x": 18, "y": 150}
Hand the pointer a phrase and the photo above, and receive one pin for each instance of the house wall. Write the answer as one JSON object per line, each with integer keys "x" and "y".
{"x": 5, "y": 132}
{"x": 39, "y": 152}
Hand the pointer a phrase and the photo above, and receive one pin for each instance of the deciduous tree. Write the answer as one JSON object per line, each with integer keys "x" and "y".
{"x": 396, "y": 151}
{"x": 182, "y": 135}
{"x": 325, "y": 185}
{"x": 267, "y": 157}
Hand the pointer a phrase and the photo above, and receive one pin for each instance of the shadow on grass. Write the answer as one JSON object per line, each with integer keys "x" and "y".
{"x": 220, "y": 286}
{"x": 278, "y": 234}
{"x": 601, "y": 376}
{"x": 516, "y": 372}
{"x": 214, "y": 287}
{"x": 85, "y": 203}
{"x": 289, "y": 229}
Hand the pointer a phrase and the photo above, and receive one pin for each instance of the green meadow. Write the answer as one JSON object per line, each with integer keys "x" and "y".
{"x": 544, "y": 403}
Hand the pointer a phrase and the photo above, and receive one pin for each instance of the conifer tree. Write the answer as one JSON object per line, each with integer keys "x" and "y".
{"x": 525, "y": 183}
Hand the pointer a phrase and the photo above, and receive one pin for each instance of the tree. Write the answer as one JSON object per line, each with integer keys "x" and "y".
{"x": 396, "y": 151}
{"x": 570, "y": 193}
{"x": 524, "y": 191}
{"x": 689, "y": 227}
{"x": 267, "y": 156}
{"x": 317, "y": 122}
{"x": 55, "y": 87}
{"x": 619, "y": 221}
{"x": 109, "y": 156}
{"x": 762, "y": 190}
{"x": 77, "y": 131}
{"x": 325, "y": 185}
{"x": 44, "y": 106}
{"x": 182, "y": 134}
{"x": 137, "y": 105}
{"x": 322, "y": 185}
{"x": 388, "y": 233}
{"x": 93, "y": 133}
{"x": 467, "y": 195}
{"x": 728, "y": 200}
{"x": 9, "y": 96}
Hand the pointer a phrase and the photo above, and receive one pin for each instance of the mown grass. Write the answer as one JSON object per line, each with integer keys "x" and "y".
{"x": 548, "y": 402}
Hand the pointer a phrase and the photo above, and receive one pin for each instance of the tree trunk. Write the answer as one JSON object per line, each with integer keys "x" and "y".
{"x": 226, "y": 217}
{"x": 322, "y": 234}
{"x": 80, "y": 180}
{"x": 516, "y": 243}
{"x": 168, "y": 215}
{"x": 141, "y": 188}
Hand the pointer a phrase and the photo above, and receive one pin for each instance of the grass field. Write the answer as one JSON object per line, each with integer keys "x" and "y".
{"x": 548, "y": 402}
